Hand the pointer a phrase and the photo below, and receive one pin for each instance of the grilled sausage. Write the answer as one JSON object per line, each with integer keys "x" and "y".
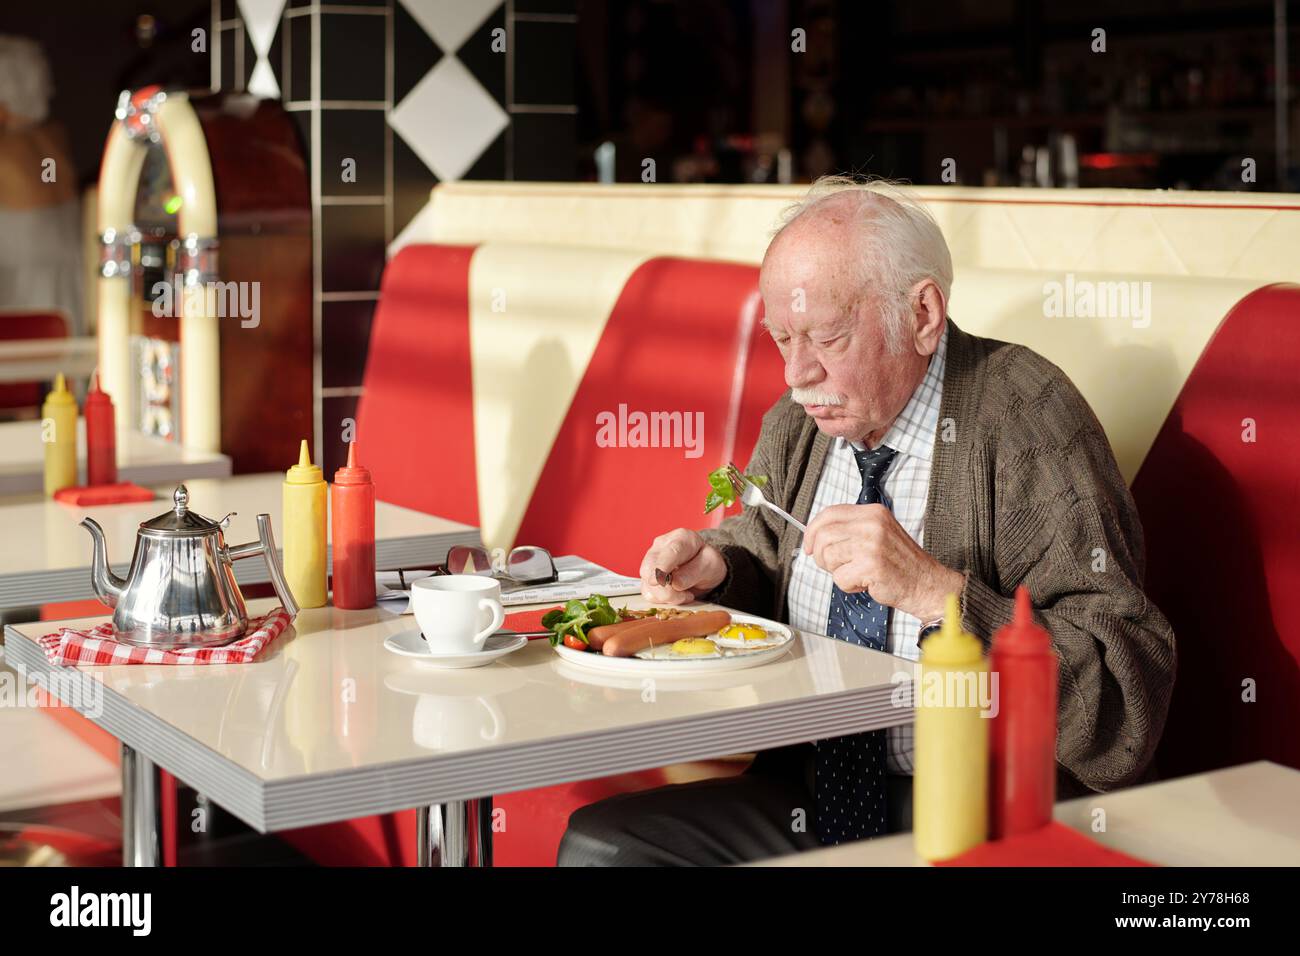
{"x": 597, "y": 636}
{"x": 652, "y": 632}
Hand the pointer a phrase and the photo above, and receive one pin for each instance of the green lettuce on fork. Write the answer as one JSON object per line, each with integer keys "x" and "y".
{"x": 720, "y": 490}
{"x": 577, "y": 617}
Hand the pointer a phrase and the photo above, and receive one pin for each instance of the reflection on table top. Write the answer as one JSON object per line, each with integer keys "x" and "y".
{"x": 1239, "y": 816}
{"x": 292, "y": 712}
{"x": 330, "y": 701}
{"x": 140, "y": 458}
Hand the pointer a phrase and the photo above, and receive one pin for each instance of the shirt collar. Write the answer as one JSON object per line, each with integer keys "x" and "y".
{"x": 913, "y": 430}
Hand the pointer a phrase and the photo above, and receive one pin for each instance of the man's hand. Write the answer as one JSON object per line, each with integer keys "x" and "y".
{"x": 865, "y": 549}
{"x": 697, "y": 568}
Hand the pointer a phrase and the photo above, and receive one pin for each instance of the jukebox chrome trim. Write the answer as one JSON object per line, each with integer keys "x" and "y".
{"x": 196, "y": 259}
{"x": 115, "y": 252}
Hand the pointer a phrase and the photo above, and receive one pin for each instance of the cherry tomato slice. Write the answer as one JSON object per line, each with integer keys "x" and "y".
{"x": 577, "y": 643}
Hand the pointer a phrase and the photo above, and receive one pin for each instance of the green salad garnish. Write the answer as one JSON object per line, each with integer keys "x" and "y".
{"x": 577, "y": 617}
{"x": 720, "y": 491}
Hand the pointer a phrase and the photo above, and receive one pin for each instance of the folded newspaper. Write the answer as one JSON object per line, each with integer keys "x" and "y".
{"x": 579, "y": 578}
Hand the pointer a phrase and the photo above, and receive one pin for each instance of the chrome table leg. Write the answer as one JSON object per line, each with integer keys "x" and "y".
{"x": 445, "y": 837}
{"x": 483, "y": 831}
{"x": 139, "y": 809}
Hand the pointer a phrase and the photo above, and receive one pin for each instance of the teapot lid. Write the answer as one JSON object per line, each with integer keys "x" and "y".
{"x": 180, "y": 520}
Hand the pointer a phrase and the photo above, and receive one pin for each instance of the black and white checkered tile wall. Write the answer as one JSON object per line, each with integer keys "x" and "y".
{"x": 392, "y": 97}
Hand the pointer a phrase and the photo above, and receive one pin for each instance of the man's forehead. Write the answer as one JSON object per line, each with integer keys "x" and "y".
{"x": 813, "y": 260}
{"x": 810, "y": 300}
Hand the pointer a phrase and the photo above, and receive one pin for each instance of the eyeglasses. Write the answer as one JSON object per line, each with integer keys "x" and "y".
{"x": 524, "y": 565}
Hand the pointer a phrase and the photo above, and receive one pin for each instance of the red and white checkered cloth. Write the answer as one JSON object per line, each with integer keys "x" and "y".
{"x": 97, "y": 646}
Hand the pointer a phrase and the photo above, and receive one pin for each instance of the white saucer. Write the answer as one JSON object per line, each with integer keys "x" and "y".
{"x": 411, "y": 644}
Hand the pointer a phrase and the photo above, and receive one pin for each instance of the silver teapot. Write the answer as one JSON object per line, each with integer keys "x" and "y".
{"x": 181, "y": 590}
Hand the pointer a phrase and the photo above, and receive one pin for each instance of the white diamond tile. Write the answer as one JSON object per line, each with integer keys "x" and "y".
{"x": 261, "y": 18}
{"x": 262, "y": 81}
{"x": 450, "y": 22}
{"x": 448, "y": 119}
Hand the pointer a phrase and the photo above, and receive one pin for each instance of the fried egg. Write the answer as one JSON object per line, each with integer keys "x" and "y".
{"x": 688, "y": 648}
{"x": 749, "y": 636}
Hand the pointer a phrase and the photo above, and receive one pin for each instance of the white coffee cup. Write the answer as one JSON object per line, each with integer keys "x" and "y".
{"x": 457, "y": 613}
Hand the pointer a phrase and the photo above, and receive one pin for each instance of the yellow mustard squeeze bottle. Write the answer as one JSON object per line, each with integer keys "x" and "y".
{"x": 59, "y": 433}
{"x": 950, "y": 782}
{"x": 305, "y": 510}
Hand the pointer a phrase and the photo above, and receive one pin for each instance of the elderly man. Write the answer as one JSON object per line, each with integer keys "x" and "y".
{"x": 926, "y": 461}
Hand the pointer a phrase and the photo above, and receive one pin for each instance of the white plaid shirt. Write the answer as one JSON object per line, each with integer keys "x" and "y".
{"x": 906, "y": 485}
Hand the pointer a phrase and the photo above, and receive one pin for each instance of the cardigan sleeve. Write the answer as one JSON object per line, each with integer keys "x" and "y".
{"x": 1080, "y": 552}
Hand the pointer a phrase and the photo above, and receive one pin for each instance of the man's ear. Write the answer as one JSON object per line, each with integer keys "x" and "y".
{"x": 928, "y": 312}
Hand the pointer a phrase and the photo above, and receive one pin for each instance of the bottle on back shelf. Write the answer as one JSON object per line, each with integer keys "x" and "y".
{"x": 101, "y": 437}
{"x": 59, "y": 434}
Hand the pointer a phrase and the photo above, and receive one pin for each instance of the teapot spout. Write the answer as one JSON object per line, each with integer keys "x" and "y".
{"x": 108, "y": 586}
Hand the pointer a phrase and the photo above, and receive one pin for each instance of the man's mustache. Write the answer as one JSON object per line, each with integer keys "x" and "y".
{"x": 810, "y": 396}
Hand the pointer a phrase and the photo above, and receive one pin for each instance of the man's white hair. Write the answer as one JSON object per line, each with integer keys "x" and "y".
{"x": 899, "y": 245}
{"x": 25, "y": 86}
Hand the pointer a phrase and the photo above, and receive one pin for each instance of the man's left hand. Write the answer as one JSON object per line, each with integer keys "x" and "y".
{"x": 865, "y": 549}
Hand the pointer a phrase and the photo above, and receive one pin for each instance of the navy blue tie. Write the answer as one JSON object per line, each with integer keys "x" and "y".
{"x": 850, "y": 779}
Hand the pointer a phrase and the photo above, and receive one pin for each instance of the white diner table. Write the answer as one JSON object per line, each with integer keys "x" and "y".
{"x": 330, "y": 726}
{"x": 47, "y": 555}
{"x": 1238, "y": 816}
{"x": 140, "y": 458}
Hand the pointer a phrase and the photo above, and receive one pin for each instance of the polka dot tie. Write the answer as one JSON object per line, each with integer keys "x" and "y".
{"x": 850, "y": 776}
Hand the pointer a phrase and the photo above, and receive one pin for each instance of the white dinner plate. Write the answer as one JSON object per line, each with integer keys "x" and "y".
{"x": 735, "y": 661}
{"x": 411, "y": 644}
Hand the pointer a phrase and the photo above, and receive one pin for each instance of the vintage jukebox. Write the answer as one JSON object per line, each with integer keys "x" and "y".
{"x": 205, "y": 284}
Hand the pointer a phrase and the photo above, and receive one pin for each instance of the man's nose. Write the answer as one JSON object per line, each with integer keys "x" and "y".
{"x": 801, "y": 369}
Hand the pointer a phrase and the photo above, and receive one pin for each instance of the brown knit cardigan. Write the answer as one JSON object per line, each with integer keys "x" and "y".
{"x": 1023, "y": 489}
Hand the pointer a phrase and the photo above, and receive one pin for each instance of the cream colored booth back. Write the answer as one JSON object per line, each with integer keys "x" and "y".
{"x": 1229, "y": 235}
{"x": 1129, "y": 366}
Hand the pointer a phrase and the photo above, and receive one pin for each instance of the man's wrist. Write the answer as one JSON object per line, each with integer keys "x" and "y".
{"x": 708, "y": 593}
{"x": 949, "y": 582}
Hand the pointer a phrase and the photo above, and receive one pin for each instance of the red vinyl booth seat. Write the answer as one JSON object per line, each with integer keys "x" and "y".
{"x": 418, "y": 371}
{"x": 675, "y": 341}
{"x": 1218, "y": 493}
{"x": 28, "y": 325}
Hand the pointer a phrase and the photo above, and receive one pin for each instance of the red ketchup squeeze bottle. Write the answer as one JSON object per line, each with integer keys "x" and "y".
{"x": 352, "y": 514}
{"x": 101, "y": 437}
{"x": 1022, "y": 740}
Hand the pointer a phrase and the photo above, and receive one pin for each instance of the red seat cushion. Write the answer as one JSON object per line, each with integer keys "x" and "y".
{"x": 415, "y": 417}
{"x": 28, "y": 325}
{"x": 672, "y": 345}
{"x": 763, "y": 373}
{"x": 1221, "y": 524}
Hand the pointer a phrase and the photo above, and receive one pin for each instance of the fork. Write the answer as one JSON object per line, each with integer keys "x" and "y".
{"x": 752, "y": 495}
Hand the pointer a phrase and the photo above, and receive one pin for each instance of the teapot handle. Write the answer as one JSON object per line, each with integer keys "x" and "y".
{"x": 265, "y": 546}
